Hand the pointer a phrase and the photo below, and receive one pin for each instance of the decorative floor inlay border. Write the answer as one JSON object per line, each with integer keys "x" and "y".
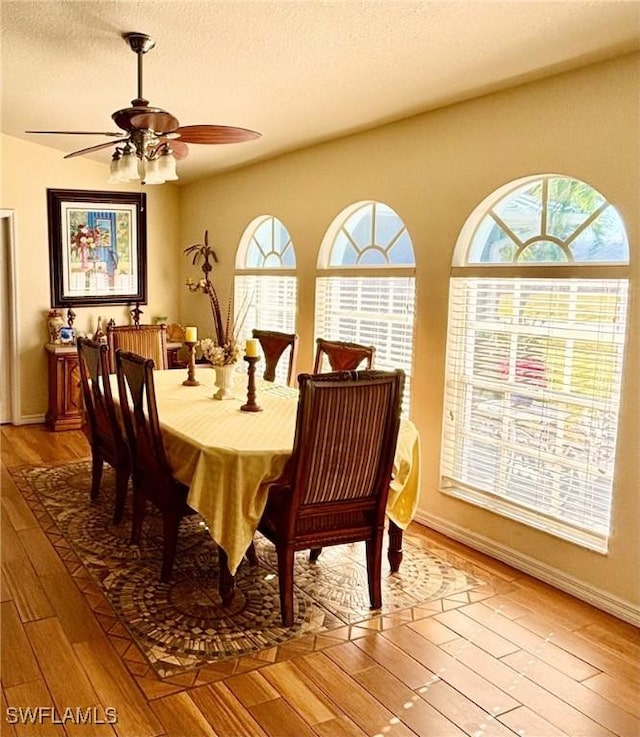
{"x": 172, "y": 629}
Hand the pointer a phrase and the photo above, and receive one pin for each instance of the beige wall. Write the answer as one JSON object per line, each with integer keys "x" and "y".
{"x": 28, "y": 169}
{"x": 433, "y": 170}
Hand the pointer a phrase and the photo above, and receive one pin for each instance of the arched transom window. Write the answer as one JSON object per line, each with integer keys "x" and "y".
{"x": 552, "y": 220}
{"x": 265, "y": 281}
{"x": 266, "y": 245}
{"x": 372, "y": 236}
{"x": 534, "y": 357}
{"x": 365, "y": 289}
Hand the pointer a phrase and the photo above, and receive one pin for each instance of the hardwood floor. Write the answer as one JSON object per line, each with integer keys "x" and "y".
{"x": 519, "y": 658}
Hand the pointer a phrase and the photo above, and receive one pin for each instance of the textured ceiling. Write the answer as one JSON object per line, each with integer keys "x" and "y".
{"x": 299, "y": 72}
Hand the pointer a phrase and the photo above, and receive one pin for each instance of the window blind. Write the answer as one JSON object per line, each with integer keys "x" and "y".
{"x": 532, "y": 395}
{"x": 372, "y": 311}
{"x": 270, "y": 304}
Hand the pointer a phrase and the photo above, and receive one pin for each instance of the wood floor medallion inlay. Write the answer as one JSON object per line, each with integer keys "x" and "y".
{"x": 181, "y": 626}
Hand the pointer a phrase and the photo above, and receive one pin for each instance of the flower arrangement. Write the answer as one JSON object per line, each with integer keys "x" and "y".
{"x": 220, "y": 355}
{"x": 84, "y": 240}
{"x": 225, "y": 348}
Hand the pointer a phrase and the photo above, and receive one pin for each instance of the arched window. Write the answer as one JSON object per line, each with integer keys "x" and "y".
{"x": 365, "y": 289}
{"x": 265, "y": 281}
{"x": 537, "y": 323}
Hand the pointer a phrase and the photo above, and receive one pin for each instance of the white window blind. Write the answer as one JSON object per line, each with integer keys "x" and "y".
{"x": 532, "y": 399}
{"x": 268, "y": 300}
{"x": 372, "y": 311}
{"x": 271, "y": 301}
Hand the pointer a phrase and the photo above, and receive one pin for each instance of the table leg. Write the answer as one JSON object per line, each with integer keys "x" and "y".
{"x": 394, "y": 552}
{"x": 252, "y": 556}
{"x": 226, "y": 582}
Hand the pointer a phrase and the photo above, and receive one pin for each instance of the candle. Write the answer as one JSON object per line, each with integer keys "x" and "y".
{"x": 251, "y": 348}
{"x": 190, "y": 335}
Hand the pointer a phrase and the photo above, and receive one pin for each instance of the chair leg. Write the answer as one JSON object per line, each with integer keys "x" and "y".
{"x": 394, "y": 552}
{"x": 374, "y": 570}
{"x": 122, "y": 480}
{"x": 314, "y": 554}
{"x": 285, "y": 582}
{"x": 139, "y": 509}
{"x": 170, "y": 525}
{"x": 96, "y": 474}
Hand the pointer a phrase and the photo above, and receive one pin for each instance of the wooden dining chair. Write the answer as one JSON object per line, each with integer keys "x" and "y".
{"x": 335, "y": 486}
{"x": 152, "y": 477}
{"x": 342, "y": 356}
{"x": 101, "y": 423}
{"x": 273, "y": 346}
{"x": 149, "y": 341}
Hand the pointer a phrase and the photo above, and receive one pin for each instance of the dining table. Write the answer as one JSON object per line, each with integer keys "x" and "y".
{"x": 228, "y": 457}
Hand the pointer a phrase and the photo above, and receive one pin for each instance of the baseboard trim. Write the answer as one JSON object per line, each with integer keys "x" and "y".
{"x": 601, "y": 599}
{"x": 31, "y": 420}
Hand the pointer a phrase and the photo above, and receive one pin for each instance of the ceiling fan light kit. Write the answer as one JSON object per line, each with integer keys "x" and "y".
{"x": 150, "y": 161}
{"x": 153, "y": 138}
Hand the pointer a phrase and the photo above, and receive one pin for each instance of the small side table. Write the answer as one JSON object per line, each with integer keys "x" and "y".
{"x": 66, "y": 411}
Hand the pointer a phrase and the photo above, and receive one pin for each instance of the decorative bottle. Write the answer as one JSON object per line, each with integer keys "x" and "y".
{"x": 100, "y": 336}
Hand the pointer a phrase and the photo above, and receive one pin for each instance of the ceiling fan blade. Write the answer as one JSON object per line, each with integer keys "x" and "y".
{"x": 179, "y": 149}
{"x": 158, "y": 121}
{"x": 215, "y": 134}
{"x": 78, "y": 133}
{"x": 95, "y": 148}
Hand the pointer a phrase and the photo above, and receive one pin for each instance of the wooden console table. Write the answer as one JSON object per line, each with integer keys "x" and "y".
{"x": 65, "y": 410}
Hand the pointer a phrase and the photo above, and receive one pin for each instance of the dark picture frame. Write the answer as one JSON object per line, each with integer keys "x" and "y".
{"x": 97, "y": 247}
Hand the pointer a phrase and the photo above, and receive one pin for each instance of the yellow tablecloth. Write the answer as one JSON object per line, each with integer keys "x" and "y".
{"x": 227, "y": 457}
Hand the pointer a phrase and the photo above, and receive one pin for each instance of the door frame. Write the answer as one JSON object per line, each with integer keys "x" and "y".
{"x": 13, "y": 327}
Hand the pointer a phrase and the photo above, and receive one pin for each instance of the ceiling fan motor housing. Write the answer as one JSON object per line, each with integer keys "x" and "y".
{"x": 143, "y": 117}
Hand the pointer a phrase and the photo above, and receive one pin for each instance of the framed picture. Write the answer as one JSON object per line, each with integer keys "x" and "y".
{"x": 67, "y": 335}
{"x": 97, "y": 247}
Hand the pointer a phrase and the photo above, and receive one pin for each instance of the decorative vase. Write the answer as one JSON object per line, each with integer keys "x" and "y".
{"x": 55, "y": 322}
{"x": 224, "y": 381}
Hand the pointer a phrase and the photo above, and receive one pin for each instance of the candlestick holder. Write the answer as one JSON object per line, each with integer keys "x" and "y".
{"x": 191, "y": 368}
{"x": 251, "y": 405}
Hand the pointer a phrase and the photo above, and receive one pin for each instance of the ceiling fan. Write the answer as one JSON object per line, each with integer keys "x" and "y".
{"x": 153, "y": 138}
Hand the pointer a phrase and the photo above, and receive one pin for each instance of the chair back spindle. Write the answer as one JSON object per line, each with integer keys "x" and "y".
{"x": 149, "y": 341}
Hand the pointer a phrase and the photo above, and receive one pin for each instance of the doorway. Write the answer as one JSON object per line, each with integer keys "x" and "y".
{"x": 9, "y": 386}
